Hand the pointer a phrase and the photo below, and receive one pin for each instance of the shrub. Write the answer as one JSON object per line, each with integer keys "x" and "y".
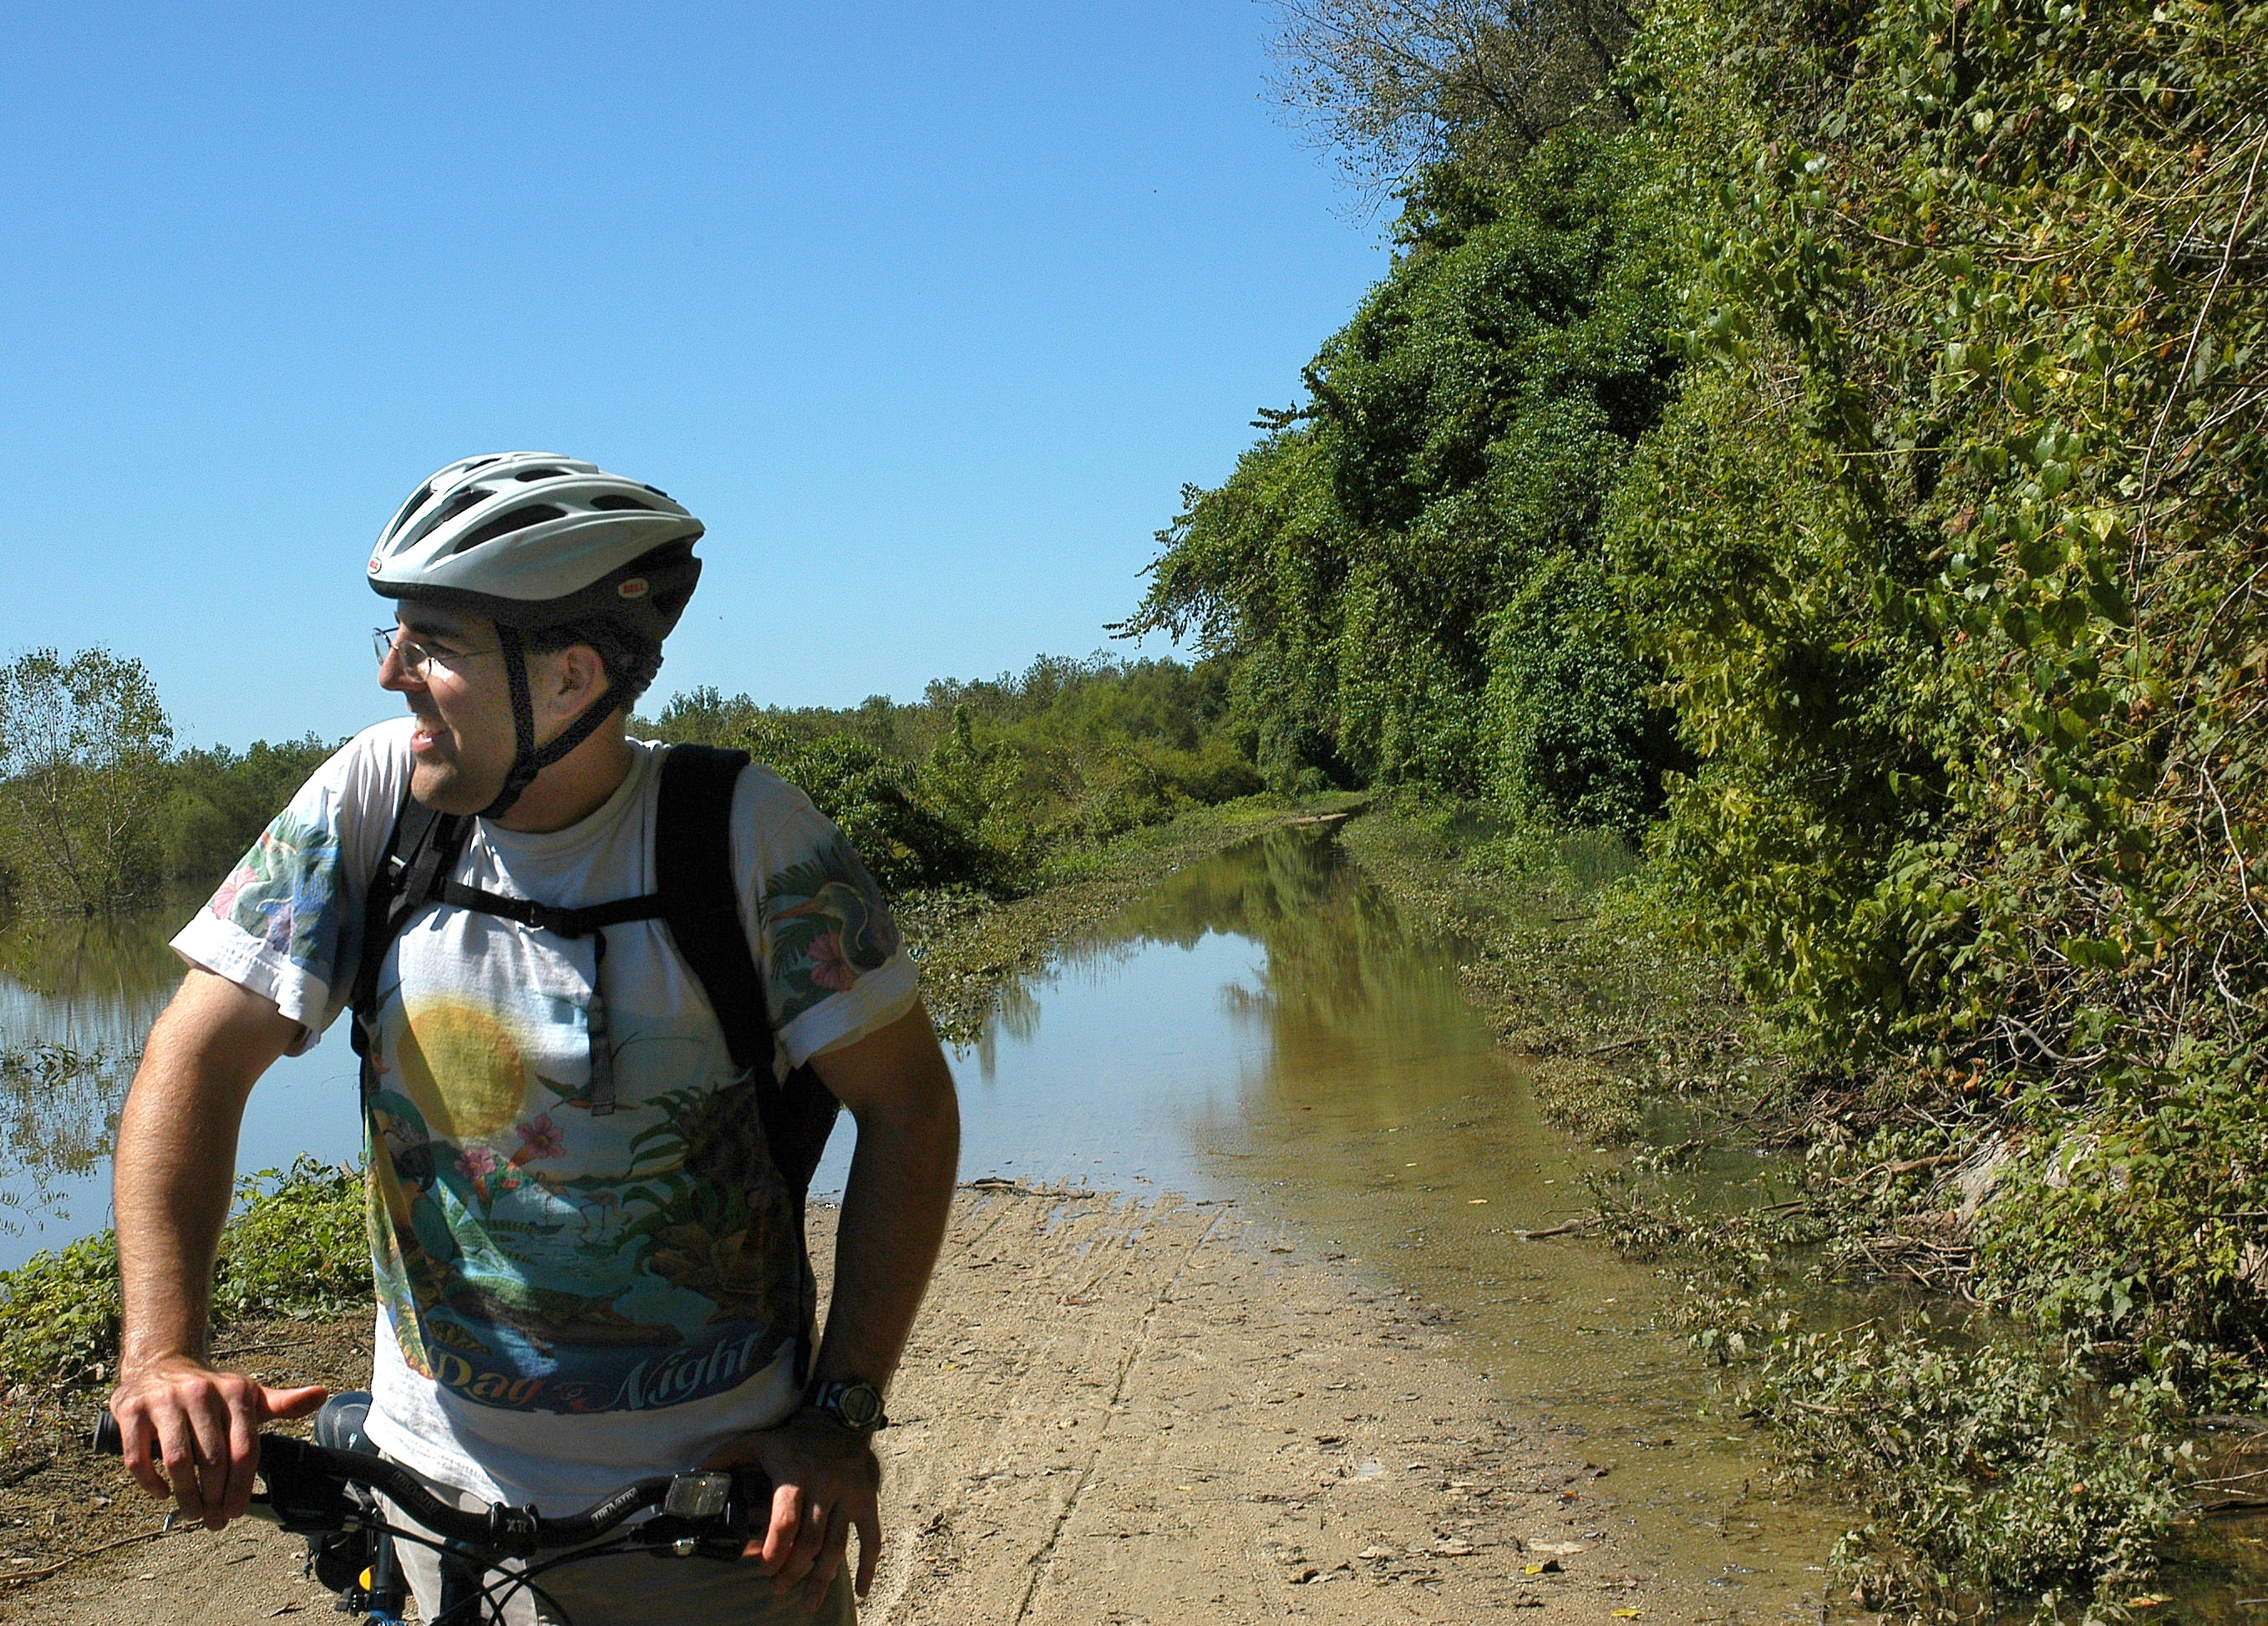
{"x": 297, "y": 1246}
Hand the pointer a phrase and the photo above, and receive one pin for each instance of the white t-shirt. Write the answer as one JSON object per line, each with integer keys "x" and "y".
{"x": 567, "y": 1300}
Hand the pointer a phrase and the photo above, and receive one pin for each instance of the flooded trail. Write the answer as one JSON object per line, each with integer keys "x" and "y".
{"x": 1263, "y": 1034}
{"x": 1266, "y": 1029}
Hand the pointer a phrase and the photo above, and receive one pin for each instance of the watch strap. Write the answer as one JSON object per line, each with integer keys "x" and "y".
{"x": 851, "y": 1403}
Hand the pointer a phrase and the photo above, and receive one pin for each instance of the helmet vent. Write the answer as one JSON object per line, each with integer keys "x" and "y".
{"x": 418, "y": 499}
{"x": 611, "y": 500}
{"x": 450, "y": 510}
{"x": 540, "y": 474}
{"x": 518, "y": 519}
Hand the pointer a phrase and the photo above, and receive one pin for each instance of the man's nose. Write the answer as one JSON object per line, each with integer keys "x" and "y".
{"x": 393, "y": 674}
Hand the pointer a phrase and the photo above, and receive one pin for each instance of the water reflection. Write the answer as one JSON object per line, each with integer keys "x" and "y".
{"x": 58, "y": 1116}
{"x": 1266, "y": 1026}
{"x": 87, "y": 985}
{"x": 77, "y": 997}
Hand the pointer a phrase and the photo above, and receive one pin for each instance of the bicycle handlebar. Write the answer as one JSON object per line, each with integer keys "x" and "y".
{"x": 306, "y": 1494}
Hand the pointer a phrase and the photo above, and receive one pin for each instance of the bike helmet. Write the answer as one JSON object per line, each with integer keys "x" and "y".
{"x": 535, "y": 541}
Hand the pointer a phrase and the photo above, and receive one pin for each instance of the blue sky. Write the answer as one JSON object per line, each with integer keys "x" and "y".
{"x": 927, "y": 311}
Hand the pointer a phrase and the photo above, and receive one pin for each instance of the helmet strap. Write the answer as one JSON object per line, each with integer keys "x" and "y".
{"x": 527, "y": 761}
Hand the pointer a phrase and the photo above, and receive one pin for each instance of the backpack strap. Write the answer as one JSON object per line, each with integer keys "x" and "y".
{"x": 420, "y": 850}
{"x": 698, "y": 898}
{"x": 566, "y": 922}
{"x": 693, "y": 864}
{"x": 701, "y": 899}
{"x": 415, "y": 870}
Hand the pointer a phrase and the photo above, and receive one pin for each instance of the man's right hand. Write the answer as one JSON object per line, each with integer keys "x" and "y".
{"x": 191, "y": 1432}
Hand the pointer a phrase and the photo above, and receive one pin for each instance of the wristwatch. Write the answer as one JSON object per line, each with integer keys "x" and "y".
{"x": 851, "y": 1402}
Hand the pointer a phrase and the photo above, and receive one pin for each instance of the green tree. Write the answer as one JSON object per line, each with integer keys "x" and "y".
{"x": 981, "y": 780}
{"x": 84, "y": 744}
{"x": 1407, "y": 568}
{"x": 221, "y": 799}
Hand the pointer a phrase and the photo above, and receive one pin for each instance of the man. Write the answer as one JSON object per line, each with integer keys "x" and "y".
{"x": 589, "y": 1265}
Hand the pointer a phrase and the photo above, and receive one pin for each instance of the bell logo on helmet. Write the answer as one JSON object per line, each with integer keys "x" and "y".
{"x": 635, "y": 588}
{"x": 374, "y": 564}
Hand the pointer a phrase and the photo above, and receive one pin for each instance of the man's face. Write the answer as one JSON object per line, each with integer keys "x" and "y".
{"x": 464, "y": 744}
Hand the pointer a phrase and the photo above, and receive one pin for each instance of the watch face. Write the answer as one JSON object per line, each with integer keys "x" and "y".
{"x": 860, "y": 1405}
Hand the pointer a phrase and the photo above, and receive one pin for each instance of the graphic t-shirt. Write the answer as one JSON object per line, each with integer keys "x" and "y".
{"x": 567, "y": 1300}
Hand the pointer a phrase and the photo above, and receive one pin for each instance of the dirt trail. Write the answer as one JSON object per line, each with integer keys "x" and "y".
{"x": 1125, "y": 1413}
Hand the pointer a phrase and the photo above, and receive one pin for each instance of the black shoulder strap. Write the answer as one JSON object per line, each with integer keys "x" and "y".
{"x": 420, "y": 850}
{"x": 693, "y": 864}
{"x": 693, "y": 869}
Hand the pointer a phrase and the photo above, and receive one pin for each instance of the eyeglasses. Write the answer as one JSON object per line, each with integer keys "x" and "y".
{"x": 417, "y": 660}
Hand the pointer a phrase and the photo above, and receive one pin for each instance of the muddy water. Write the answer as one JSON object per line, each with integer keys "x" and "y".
{"x": 1265, "y": 1027}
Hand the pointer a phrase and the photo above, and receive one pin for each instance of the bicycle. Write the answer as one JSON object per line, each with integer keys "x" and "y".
{"x": 326, "y": 1489}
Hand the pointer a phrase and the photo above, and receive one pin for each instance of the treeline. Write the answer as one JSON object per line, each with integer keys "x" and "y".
{"x": 98, "y": 811}
{"x": 983, "y": 783}
{"x": 979, "y": 783}
{"x": 1830, "y": 449}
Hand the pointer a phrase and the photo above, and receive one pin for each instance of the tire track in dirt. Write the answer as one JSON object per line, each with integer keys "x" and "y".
{"x": 1045, "y": 1557}
{"x": 1123, "y": 1414}
{"x": 1153, "y": 1419}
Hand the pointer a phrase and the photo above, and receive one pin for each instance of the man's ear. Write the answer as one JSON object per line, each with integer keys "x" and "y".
{"x": 577, "y": 677}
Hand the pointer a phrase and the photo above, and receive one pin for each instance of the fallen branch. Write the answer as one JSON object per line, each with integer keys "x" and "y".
{"x": 65, "y": 1564}
{"x": 1905, "y": 1166}
{"x": 994, "y": 1182}
{"x": 1567, "y": 1229}
{"x": 1620, "y": 1044}
{"x": 2232, "y": 1504}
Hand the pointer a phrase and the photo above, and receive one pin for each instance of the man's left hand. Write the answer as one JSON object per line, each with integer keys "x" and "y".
{"x": 825, "y": 1484}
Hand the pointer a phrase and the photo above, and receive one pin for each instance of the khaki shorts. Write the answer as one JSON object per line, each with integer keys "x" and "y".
{"x": 623, "y": 1589}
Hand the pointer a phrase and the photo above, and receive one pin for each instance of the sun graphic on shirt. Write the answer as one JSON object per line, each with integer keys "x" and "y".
{"x": 464, "y": 1070}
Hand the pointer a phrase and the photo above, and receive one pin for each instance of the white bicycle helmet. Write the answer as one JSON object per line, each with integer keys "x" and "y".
{"x": 534, "y": 542}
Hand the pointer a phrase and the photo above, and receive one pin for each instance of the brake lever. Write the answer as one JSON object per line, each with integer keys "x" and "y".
{"x": 710, "y": 1515}
{"x": 301, "y": 1498}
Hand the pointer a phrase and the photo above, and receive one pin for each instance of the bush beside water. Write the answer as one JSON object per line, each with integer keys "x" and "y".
{"x": 295, "y": 1247}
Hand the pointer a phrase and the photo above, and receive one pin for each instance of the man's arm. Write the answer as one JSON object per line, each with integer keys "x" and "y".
{"x": 189, "y": 1429}
{"x": 899, "y": 1088}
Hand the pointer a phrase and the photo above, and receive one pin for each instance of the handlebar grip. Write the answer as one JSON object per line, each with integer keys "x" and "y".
{"x": 302, "y": 1475}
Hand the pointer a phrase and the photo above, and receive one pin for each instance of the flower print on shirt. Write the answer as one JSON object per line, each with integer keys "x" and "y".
{"x": 538, "y": 1138}
{"x": 284, "y": 892}
{"x": 829, "y": 969}
{"x": 828, "y": 927}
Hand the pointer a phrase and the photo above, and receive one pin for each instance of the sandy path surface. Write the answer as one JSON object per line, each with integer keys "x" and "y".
{"x": 1125, "y": 1414}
